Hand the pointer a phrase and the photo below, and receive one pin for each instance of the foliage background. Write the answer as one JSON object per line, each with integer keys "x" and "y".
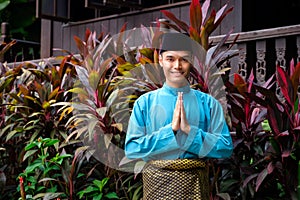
{"x": 42, "y": 154}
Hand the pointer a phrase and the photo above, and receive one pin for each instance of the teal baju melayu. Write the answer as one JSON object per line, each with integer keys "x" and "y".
{"x": 150, "y": 136}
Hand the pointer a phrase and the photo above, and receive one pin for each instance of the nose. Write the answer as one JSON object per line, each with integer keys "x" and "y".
{"x": 177, "y": 64}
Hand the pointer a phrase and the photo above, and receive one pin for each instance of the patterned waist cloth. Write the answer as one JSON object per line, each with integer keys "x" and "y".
{"x": 181, "y": 179}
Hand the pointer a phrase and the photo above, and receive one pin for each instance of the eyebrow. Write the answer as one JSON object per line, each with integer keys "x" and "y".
{"x": 184, "y": 56}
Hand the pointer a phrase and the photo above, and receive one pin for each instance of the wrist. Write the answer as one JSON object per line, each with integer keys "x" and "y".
{"x": 186, "y": 129}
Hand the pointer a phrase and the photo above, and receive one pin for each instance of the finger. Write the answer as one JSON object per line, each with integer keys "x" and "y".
{"x": 176, "y": 115}
{"x": 184, "y": 124}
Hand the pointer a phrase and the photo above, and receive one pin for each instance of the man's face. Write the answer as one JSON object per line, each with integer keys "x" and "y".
{"x": 176, "y": 66}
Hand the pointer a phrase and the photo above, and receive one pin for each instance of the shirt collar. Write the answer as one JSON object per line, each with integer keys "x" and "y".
{"x": 175, "y": 91}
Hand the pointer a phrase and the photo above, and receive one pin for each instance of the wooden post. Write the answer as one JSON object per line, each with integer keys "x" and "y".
{"x": 4, "y": 39}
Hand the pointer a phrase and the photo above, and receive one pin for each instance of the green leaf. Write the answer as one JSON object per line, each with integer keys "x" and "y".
{"x": 111, "y": 195}
{"x": 94, "y": 79}
{"x": 32, "y": 167}
{"x": 98, "y": 183}
{"x": 104, "y": 181}
{"x": 4, "y": 4}
{"x": 101, "y": 111}
{"x": 11, "y": 134}
{"x": 30, "y": 145}
{"x": 137, "y": 194}
{"x": 9, "y": 126}
{"x": 50, "y": 142}
{"x": 29, "y": 153}
{"x": 98, "y": 197}
{"x": 265, "y": 125}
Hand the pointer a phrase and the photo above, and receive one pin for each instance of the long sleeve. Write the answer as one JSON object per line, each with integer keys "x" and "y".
{"x": 215, "y": 142}
{"x": 150, "y": 136}
{"x": 141, "y": 143}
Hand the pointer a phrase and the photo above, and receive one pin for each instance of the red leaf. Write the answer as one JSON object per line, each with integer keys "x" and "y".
{"x": 295, "y": 76}
{"x": 194, "y": 35}
{"x": 272, "y": 120}
{"x": 196, "y": 15}
{"x": 123, "y": 28}
{"x": 285, "y": 85}
{"x": 87, "y": 34}
{"x": 209, "y": 23}
{"x": 250, "y": 80}
{"x": 270, "y": 168}
{"x": 240, "y": 83}
{"x": 285, "y": 154}
{"x": 172, "y": 17}
{"x": 261, "y": 176}
{"x": 80, "y": 44}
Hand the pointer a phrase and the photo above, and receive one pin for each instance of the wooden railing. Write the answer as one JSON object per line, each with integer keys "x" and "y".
{"x": 262, "y": 50}
{"x": 259, "y": 51}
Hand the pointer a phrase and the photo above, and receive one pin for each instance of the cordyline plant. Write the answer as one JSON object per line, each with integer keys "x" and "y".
{"x": 27, "y": 91}
{"x": 201, "y": 24}
{"x": 266, "y": 153}
{"x": 94, "y": 108}
{"x": 93, "y": 95}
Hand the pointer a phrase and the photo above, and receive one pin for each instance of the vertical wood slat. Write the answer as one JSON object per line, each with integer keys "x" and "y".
{"x": 242, "y": 64}
{"x": 46, "y": 38}
{"x": 261, "y": 62}
{"x": 66, "y": 38}
{"x": 57, "y": 37}
{"x": 280, "y": 47}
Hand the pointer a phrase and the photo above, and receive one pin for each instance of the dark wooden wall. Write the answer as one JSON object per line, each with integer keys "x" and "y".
{"x": 61, "y": 35}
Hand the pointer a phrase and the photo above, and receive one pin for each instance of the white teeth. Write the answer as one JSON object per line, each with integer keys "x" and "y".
{"x": 177, "y": 72}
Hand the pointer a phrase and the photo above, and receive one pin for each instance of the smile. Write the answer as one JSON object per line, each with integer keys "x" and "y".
{"x": 177, "y": 72}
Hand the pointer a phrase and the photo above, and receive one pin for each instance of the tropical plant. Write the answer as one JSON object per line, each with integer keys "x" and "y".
{"x": 267, "y": 140}
{"x": 42, "y": 178}
{"x": 97, "y": 113}
{"x": 26, "y": 92}
{"x": 96, "y": 191}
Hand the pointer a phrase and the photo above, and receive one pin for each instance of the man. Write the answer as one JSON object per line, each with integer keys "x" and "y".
{"x": 176, "y": 128}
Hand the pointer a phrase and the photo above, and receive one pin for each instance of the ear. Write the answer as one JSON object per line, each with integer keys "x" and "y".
{"x": 160, "y": 60}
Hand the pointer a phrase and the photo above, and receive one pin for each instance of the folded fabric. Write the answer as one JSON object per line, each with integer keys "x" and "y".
{"x": 176, "y": 180}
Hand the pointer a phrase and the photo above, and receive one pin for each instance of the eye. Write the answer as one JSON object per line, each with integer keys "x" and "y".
{"x": 185, "y": 60}
{"x": 170, "y": 59}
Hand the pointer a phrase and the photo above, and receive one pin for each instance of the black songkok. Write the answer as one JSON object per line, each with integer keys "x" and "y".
{"x": 176, "y": 42}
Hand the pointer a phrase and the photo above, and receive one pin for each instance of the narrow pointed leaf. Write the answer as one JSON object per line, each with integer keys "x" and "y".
{"x": 285, "y": 85}
{"x": 240, "y": 83}
{"x": 179, "y": 23}
{"x": 260, "y": 178}
{"x": 196, "y": 15}
{"x": 295, "y": 76}
{"x": 94, "y": 79}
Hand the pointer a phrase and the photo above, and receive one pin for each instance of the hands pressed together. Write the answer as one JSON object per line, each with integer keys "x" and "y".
{"x": 179, "y": 117}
